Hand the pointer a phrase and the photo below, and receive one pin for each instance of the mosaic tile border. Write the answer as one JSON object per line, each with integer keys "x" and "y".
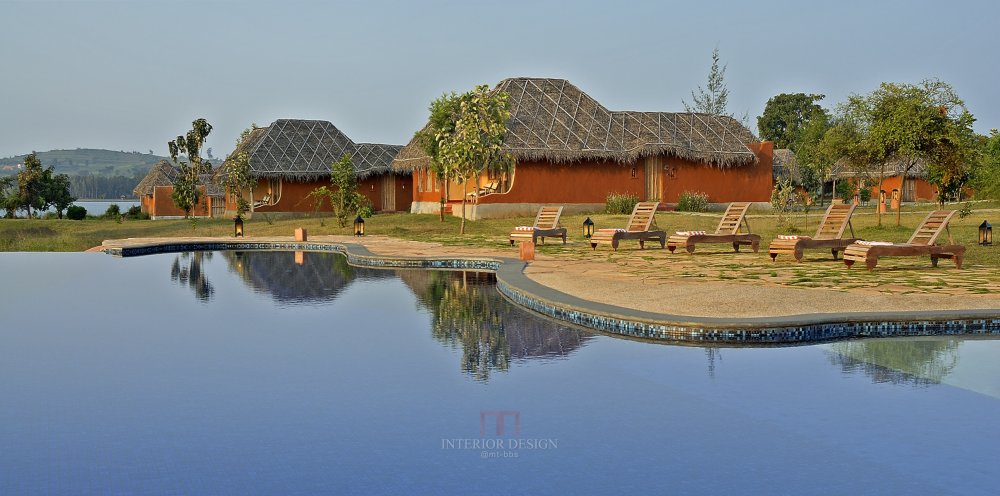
{"x": 511, "y": 283}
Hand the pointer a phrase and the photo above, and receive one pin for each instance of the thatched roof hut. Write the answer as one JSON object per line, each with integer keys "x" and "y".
{"x": 786, "y": 166}
{"x": 302, "y": 150}
{"x": 161, "y": 174}
{"x": 553, "y": 120}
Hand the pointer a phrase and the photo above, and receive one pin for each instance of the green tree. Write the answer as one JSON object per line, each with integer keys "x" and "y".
{"x": 713, "y": 98}
{"x": 8, "y": 195}
{"x": 186, "y": 195}
{"x": 476, "y": 143}
{"x": 786, "y": 118}
{"x": 237, "y": 169}
{"x": 909, "y": 123}
{"x": 31, "y": 185}
{"x": 986, "y": 175}
{"x": 57, "y": 193}
{"x": 342, "y": 193}
{"x": 444, "y": 114}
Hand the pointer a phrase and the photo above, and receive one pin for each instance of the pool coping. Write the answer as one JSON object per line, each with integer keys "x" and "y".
{"x": 611, "y": 319}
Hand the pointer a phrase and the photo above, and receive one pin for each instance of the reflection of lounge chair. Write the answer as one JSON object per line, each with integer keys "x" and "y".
{"x": 265, "y": 200}
{"x": 921, "y": 243}
{"x": 637, "y": 228}
{"x": 727, "y": 232}
{"x": 829, "y": 235}
{"x": 546, "y": 224}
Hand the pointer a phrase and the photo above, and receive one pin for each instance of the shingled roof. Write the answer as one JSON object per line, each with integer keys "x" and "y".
{"x": 553, "y": 120}
{"x": 303, "y": 150}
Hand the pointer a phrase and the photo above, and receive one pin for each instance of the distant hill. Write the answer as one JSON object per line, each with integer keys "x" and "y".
{"x": 89, "y": 161}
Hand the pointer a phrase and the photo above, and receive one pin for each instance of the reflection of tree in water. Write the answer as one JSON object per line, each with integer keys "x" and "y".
{"x": 469, "y": 312}
{"x": 192, "y": 275}
{"x": 898, "y": 361}
{"x": 320, "y": 277}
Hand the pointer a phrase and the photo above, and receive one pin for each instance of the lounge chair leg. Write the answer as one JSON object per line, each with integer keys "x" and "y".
{"x": 663, "y": 241}
{"x": 671, "y": 248}
{"x": 736, "y": 247}
{"x": 564, "y": 238}
{"x": 593, "y": 246}
{"x": 512, "y": 243}
{"x": 958, "y": 261}
{"x": 871, "y": 263}
{"x": 642, "y": 244}
{"x": 934, "y": 260}
{"x": 690, "y": 248}
{"x": 834, "y": 251}
{"x": 755, "y": 245}
{"x": 848, "y": 263}
{"x": 774, "y": 256}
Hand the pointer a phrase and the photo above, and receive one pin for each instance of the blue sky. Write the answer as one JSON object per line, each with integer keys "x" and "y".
{"x": 131, "y": 75}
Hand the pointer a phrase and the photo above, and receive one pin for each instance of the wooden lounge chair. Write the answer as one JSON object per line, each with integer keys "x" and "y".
{"x": 921, "y": 243}
{"x": 829, "y": 235}
{"x": 546, "y": 224}
{"x": 637, "y": 228}
{"x": 727, "y": 232}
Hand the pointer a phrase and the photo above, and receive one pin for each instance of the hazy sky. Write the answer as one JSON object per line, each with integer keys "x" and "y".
{"x": 132, "y": 75}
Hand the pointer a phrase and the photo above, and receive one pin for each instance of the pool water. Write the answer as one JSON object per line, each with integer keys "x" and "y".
{"x": 283, "y": 373}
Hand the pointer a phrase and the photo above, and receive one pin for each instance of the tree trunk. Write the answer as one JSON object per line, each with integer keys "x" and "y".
{"x": 465, "y": 187}
{"x": 881, "y": 177}
{"x": 902, "y": 184}
{"x": 444, "y": 197}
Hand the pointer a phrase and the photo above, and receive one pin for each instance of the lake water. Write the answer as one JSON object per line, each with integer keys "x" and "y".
{"x": 266, "y": 373}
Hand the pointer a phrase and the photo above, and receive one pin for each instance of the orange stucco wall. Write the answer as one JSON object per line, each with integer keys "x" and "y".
{"x": 580, "y": 182}
{"x": 163, "y": 206}
{"x": 592, "y": 181}
{"x": 752, "y": 182}
{"x": 922, "y": 190}
{"x": 294, "y": 195}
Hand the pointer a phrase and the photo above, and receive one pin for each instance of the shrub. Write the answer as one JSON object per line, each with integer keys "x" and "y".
{"x": 692, "y": 201}
{"x": 76, "y": 212}
{"x": 113, "y": 211}
{"x": 846, "y": 191}
{"x": 620, "y": 203}
{"x": 135, "y": 213}
{"x": 865, "y": 193}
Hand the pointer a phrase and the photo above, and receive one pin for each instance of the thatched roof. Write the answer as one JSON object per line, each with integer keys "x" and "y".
{"x": 161, "y": 174}
{"x": 893, "y": 167}
{"x": 553, "y": 120}
{"x": 164, "y": 174}
{"x": 784, "y": 165}
{"x": 303, "y": 150}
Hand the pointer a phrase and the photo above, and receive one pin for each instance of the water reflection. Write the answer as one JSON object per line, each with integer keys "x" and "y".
{"x": 297, "y": 277}
{"x": 898, "y": 361}
{"x": 187, "y": 270}
{"x": 469, "y": 313}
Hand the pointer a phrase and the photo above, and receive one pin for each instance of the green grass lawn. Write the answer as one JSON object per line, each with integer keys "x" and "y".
{"x": 709, "y": 263}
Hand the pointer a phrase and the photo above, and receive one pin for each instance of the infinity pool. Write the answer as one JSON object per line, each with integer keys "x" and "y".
{"x": 277, "y": 373}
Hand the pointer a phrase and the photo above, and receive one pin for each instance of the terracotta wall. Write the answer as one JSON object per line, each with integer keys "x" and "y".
{"x": 752, "y": 182}
{"x": 146, "y": 203}
{"x": 922, "y": 190}
{"x": 163, "y": 206}
{"x": 580, "y": 182}
{"x": 294, "y": 195}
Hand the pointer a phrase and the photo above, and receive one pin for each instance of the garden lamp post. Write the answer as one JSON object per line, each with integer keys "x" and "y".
{"x": 986, "y": 234}
{"x": 238, "y": 227}
{"x": 359, "y": 226}
{"x": 588, "y": 228}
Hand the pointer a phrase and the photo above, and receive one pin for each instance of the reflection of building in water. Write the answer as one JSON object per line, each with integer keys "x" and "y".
{"x": 187, "y": 271}
{"x": 319, "y": 276}
{"x": 469, "y": 313}
{"x": 897, "y": 361}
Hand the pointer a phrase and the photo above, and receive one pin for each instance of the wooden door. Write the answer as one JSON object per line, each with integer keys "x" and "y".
{"x": 389, "y": 193}
{"x": 654, "y": 184}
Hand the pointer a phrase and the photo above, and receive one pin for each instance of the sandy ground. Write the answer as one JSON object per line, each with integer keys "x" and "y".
{"x": 654, "y": 290}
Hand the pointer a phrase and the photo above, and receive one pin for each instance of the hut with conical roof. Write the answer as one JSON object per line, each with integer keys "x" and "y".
{"x": 155, "y": 189}
{"x": 571, "y": 150}
{"x": 292, "y": 157}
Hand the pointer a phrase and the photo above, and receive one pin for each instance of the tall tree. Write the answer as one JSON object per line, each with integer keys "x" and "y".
{"x": 476, "y": 144}
{"x": 31, "y": 185}
{"x": 786, "y": 117}
{"x": 912, "y": 122}
{"x": 444, "y": 113}
{"x": 713, "y": 98}
{"x": 57, "y": 193}
{"x": 986, "y": 176}
{"x": 186, "y": 195}
{"x": 342, "y": 193}
{"x": 237, "y": 169}
{"x": 9, "y": 196}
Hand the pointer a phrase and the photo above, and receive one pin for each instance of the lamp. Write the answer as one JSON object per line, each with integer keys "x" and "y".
{"x": 986, "y": 234}
{"x": 359, "y": 226}
{"x": 238, "y": 227}
{"x": 588, "y": 228}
